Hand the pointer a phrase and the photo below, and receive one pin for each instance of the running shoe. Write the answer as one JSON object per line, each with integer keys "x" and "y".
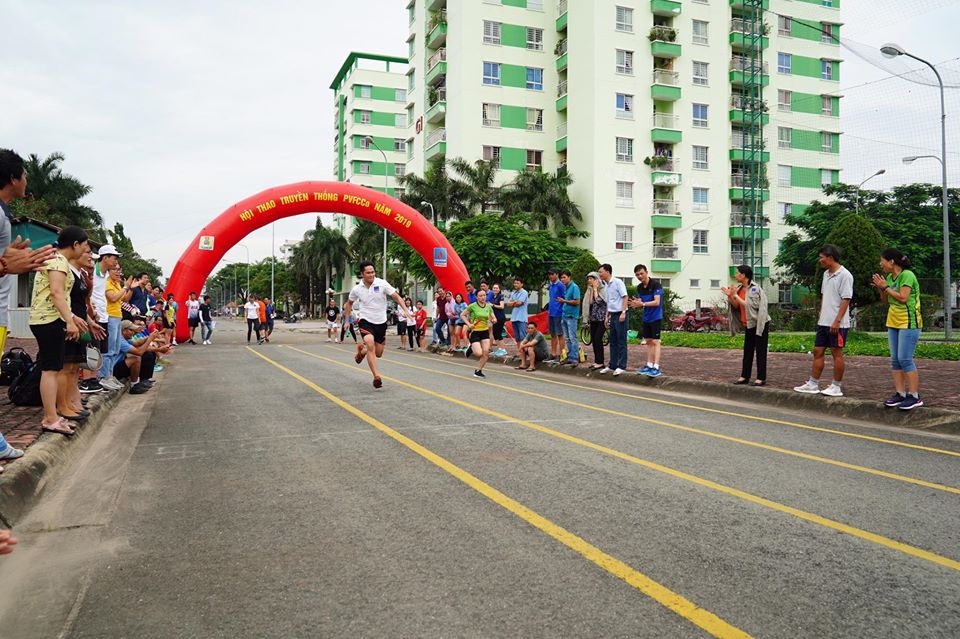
{"x": 479, "y": 373}
{"x": 11, "y": 453}
{"x": 618, "y": 372}
{"x": 653, "y": 371}
{"x": 377, "y": 382}
{"x": 360, "y": 354}
{"x": 644, "y": 371}
{"x": 894, "y": 400}
{"x": 832, "y": 391}
{"x": 808, "y": 387}
{"x": 910, "y": 402}
{"x": 605, "y": 370}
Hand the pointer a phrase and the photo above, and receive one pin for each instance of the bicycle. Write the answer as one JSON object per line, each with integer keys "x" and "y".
{"x": 583, "y": 334}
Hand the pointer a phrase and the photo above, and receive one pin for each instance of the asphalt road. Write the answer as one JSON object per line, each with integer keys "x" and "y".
{"x": 271, "y": 492}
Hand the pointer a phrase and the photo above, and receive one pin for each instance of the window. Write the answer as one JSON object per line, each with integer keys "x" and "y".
{"x": 826, "y": 105}
{"x": 694, "y": 283}
{"x": 826, "y": 142}
{"x": 624, "y": 105}
{"x": 411, "y": 80}
{"x": 783, "y": 210}
{"x": 535, "y": 78}
{"x": 784, "y": 293}
{"x": 534, "y": 159}
{"x": 535, "y": 5}
{"x": 534, "y": 119}
{"x": 701, "y": 198}
{"x": 410, "y": 117}
{"x": 624, "y": 193}
{"x": 826, "y": 177}
{"x": 784, "y": 25}
{"x": 491, "y": 114}
{"x": 783, "y": 175}
{"x": 534, "y": 39}
{"x": 363, "y": 168}
{"x": 491, "y": 73}
{"x": 399, "y": 170}
{"x": 784, "y": 99}
{"x": 826, "y": 3}
{"x": 784, "y": 63}
{"x": 700, "y": 241}
{"x": 400, "y": 120}
{"x": 784, "y": 137}
{"x": 700, "y": 160}
{"x": 364, "y": 90}
{"x": 624, "y": 240}
{"x": 365, "y": 117}
{"x": 625, "y": 19}
{"x": 700, "y": 116}
{"x": 828, "y": 33}
{"x": 665, "y": 281}
{"x": 826, "y": 69}
{"x": 700, "y": 73}
{"x": 700, "y": 32}
{"x": 624, "y": 149}
{"x": 714, "y": 283}
{"x": 491, "y": 32}
{"x": 492, "y": 154}
{"x": 399, "y": 145}
{"x": 399, "y": 192}
{"x": 624, "y": 62}
{"x": 400, "y": 95}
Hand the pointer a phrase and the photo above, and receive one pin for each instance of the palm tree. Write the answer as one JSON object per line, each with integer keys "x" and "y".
{"x": 61, "y": 193}
{"x": 477, "y": 182}
{"x": 331, "y": 251}
{"x": 544, "y": 197}
{"x": 366, "y": 243}
{"x": 449, "y": 197}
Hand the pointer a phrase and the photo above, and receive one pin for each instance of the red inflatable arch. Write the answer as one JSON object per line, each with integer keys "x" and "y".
{"x": 246, "y": 216}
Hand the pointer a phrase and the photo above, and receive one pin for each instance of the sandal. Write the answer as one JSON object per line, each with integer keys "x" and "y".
{"x": 596, "y": 367}
{"x": 741, "y": 381}
{"x": 760, "y": 382}
{"x": 520, "y": 368}
{"x": 60, "y": 428}
{"x": 529, "y": 370}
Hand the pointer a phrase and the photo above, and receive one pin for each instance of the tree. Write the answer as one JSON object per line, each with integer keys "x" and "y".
{"x": 477, "y": 183}
{"x": 544, "y": 199}
{"x": 450, "y": 198}
{"x": 131, "y": 261}
{"x": 860, "y": 244}
{"x": 56, "y": 195}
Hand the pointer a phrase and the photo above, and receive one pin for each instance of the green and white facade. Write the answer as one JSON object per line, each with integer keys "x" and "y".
{"x": 690, "y": 127}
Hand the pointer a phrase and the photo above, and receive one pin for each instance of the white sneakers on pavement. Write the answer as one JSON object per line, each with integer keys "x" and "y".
{"x": 618, "y": 372}
{"x": 111, "y": 383}
{"x": 832, "y": 391}
{"x": 808, "y": 387}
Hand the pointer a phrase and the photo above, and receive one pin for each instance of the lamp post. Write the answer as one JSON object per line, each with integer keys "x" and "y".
{"x": 248, "y": 267}
{"x": 856, "y": 205}
{"x": 386, "y": 165}
{"x": 433, "y": 215}
{"x": 891, "y": 51}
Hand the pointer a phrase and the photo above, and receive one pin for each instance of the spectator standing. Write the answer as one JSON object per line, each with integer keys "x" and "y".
{"x": 450, "y": 309}
{"x": 139, "y": 293}
{"x": 836, "y": 291}
{"x": 270, "y": 312}
{"x": 401, "y": 321}
{"x": 116, "y": 292}
{"x": 615, "y": 321}
{"x": 440, "y": 318}
{"x": 193, "y": 315}
{"x": 252, "y": 312}
{"x": 261, "y": 320}
{"x": 332, "y": 315}
{"x": 900, "y": 289}
{"x": 107, "y": 259}
{"x": 206, "y": 321}
{"x": 478, "y": 318}
{"x": 518, "y": 309}
{"x": 532, "y": 349}
{"x": 69, "y": 404}
{"x": 748, "y": 311}
{"x": 495, "y": 299}
{"x": 594, "y": 312}
{"x": 570, "y": 315}
{"x": 555, "y": 295}
{"x": 170, "y": 310}
{"x": 421, "y": 323}
{"x": 84, "y": 268}
{"x": 461, "y": 327}
{"x": 650, "y": 299}
{"x": 471, "y": 292}
{"x": 411, "y": 321}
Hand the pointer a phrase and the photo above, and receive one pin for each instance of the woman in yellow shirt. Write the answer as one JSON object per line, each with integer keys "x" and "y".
{"x": 52, "y": 322}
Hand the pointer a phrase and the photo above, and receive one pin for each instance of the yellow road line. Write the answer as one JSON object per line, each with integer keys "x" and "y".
{"x": 707, "y": 433}
{"x": 700, "y": 617}
{"x": 859, "y": 533}
{"x": 717, "y": 411}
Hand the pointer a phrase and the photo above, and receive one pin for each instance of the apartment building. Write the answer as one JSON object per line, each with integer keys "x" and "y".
{"x": 690, "y": 128}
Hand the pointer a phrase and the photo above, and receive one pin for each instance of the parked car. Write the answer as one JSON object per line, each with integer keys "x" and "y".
{"x": 710, "y": 319}
{"x": 938, "y": 318}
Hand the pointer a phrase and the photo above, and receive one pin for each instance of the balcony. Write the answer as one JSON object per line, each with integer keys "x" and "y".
{"x": 748, "y": 110}
{"x": 562, "y": 15}
{"x": 437, "y": 67}
{"x": 561, "y": 142}
{"x": 664, "y": 171}
{"x": 743, "y": 70}
{"x": 562, "y": 96}
{"x": 665, "y": 214}
{"x": 433, "y": 5}
{"x": 663, "y": 42}
{"x": 665, "y": 85}
{"x": 740, "y": 4}
{"x": 666, "y": 258}
{"x": 741, "y": 226}
{"x": 561, "y": 52}
{"x": 666, "y": 129}
{"x": 437, "y": 30}
{"x": 436, "y": 143}
{"x": 665, "y": 8}
{"x": 437, "y": 105}
{"x": 743, "y": 35}
{"x": 742, "y": 149}
{"x": 740, "y": 187}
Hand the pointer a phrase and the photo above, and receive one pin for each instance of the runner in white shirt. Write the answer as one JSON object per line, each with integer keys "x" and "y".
{"x": 371, "y": 298}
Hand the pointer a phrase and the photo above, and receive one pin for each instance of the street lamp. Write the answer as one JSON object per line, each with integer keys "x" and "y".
{"x": 433, "y": 215}
{"x": 248, "y": 267}
{"x": 891, "y": 50}
{"x": 386, "y": 165}
{"x": 856, "y": 206}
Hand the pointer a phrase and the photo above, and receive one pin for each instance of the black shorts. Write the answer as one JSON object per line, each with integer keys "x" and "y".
{"x": 193, "y": 322}
{"x": 498, "y": 329}
{"x": 120, "y": 369}
{"x": 379, "y": 331}
{"x": 826, "y": 339}
{"x": 651, "y": 330}
{"x": 478, "y": 336}
{"x": 51, "y": 340}
{"x": 74, "y": 352}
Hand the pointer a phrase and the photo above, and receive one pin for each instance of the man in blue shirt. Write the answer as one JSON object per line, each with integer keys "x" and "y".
{"x": 518, "y": 314}
{"x": 139, "y": 293}
{"x": 556, "y": 293}
{"x": 471, "y": 292}
{"x": 650, "y": 299}
{"x": 570, "y": 315}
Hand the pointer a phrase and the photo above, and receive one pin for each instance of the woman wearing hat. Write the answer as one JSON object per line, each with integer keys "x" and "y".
{"x": 594, "y": 313}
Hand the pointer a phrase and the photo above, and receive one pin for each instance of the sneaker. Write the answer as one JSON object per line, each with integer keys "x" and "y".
{"x": 604, "y": 370}
{"x": 643, "y": 371}
{"x": 832, "y": 391}
{"x": 479, "y": 373}
{"x": 90, "y": 386}
{"x": 618, "y": 372}
{"x": 377, "y": 382}
{"x": 157, "y": 368}
{"x": 808, "y": 387}
{"x": 111, "y": 383}
{"x": 190, "y": 341}
{"x": 895, "y": 400}
{"x": 261, "y": 340}
{"x": 653, "y": 371}
{"x": 910, "y": 402}
{"x": 361, "y": 353}
{"x": 500, "y": 352}
{"x": 11, "y": 453}
{"x": 139, "y": 389}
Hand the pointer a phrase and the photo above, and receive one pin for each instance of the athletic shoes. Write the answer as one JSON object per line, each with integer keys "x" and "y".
{"x": 910, "y": 402}
{"x": 895, "y": 400}
{"x": 832, "y": 391}
{"x": 139, "y": 389}
{"x": 618, "y": 372}
{"x": 360, "y": 355}
{"x": 808, "y": 387}
{"x": 605, "y": 370}
{"x": 479, "y": 373}
{"x": 261, "y": 340}
{"x": 377, "y": 382}
{"x": 190, "y": 341}
{"x": 111, "y": 383}
{"x": 90, "y": 386}
{"x": 500, "y": 352}
{"x": 653, "y": 371}
{"x": 643, "y": 371}
{"x": 11, "y": 453}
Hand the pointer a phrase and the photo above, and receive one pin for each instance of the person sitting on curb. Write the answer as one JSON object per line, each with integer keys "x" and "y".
{"x": 138, "y": 356}
{"x": 532, "y": 349}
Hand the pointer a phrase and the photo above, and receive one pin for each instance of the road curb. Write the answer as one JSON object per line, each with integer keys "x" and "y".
{"x": 24, "y": 481}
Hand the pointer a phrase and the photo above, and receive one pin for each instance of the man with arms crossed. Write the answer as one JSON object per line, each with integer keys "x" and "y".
{"x": 372, "y": 293}
{"x": 518, "y": 314}
{"x": 835, "y": 295}
{"x": 650, "y": 299}
{"x": 556, "y": 292}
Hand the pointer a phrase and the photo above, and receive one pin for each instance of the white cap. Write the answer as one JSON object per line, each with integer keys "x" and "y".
{"x": 107, "y": 249}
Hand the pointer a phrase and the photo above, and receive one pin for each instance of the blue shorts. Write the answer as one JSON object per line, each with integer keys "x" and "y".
{"x": 555, "y": 326}
{"x": 826, "y": 339}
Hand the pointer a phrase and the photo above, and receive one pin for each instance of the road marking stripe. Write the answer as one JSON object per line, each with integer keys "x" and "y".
{"x": 706, "y": 483}
{"x": 707, "y": 433}
{"x": 700, "y": 617}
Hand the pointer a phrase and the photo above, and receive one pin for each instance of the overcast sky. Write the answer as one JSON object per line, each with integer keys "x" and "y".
{"x": 174, "y": 111}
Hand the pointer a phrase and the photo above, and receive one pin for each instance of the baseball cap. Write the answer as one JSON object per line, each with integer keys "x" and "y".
{"x": 127, "y": 325}
{"x": 107, "y": 249}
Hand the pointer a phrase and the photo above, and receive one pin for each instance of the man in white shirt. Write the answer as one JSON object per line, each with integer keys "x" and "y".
{"x": 616, "y": 321}
{"x": 371, "y": 295}
{"x": 193, "y": 315}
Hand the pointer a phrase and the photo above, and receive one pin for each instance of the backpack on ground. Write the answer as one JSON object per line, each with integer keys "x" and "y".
{"x": 25, "y": 389}
{"x": 14, "y": 362}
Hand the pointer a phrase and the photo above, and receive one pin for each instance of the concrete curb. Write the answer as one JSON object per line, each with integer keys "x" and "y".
{"x": 929, "y": 419}
{"x": 23, "y": 482}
